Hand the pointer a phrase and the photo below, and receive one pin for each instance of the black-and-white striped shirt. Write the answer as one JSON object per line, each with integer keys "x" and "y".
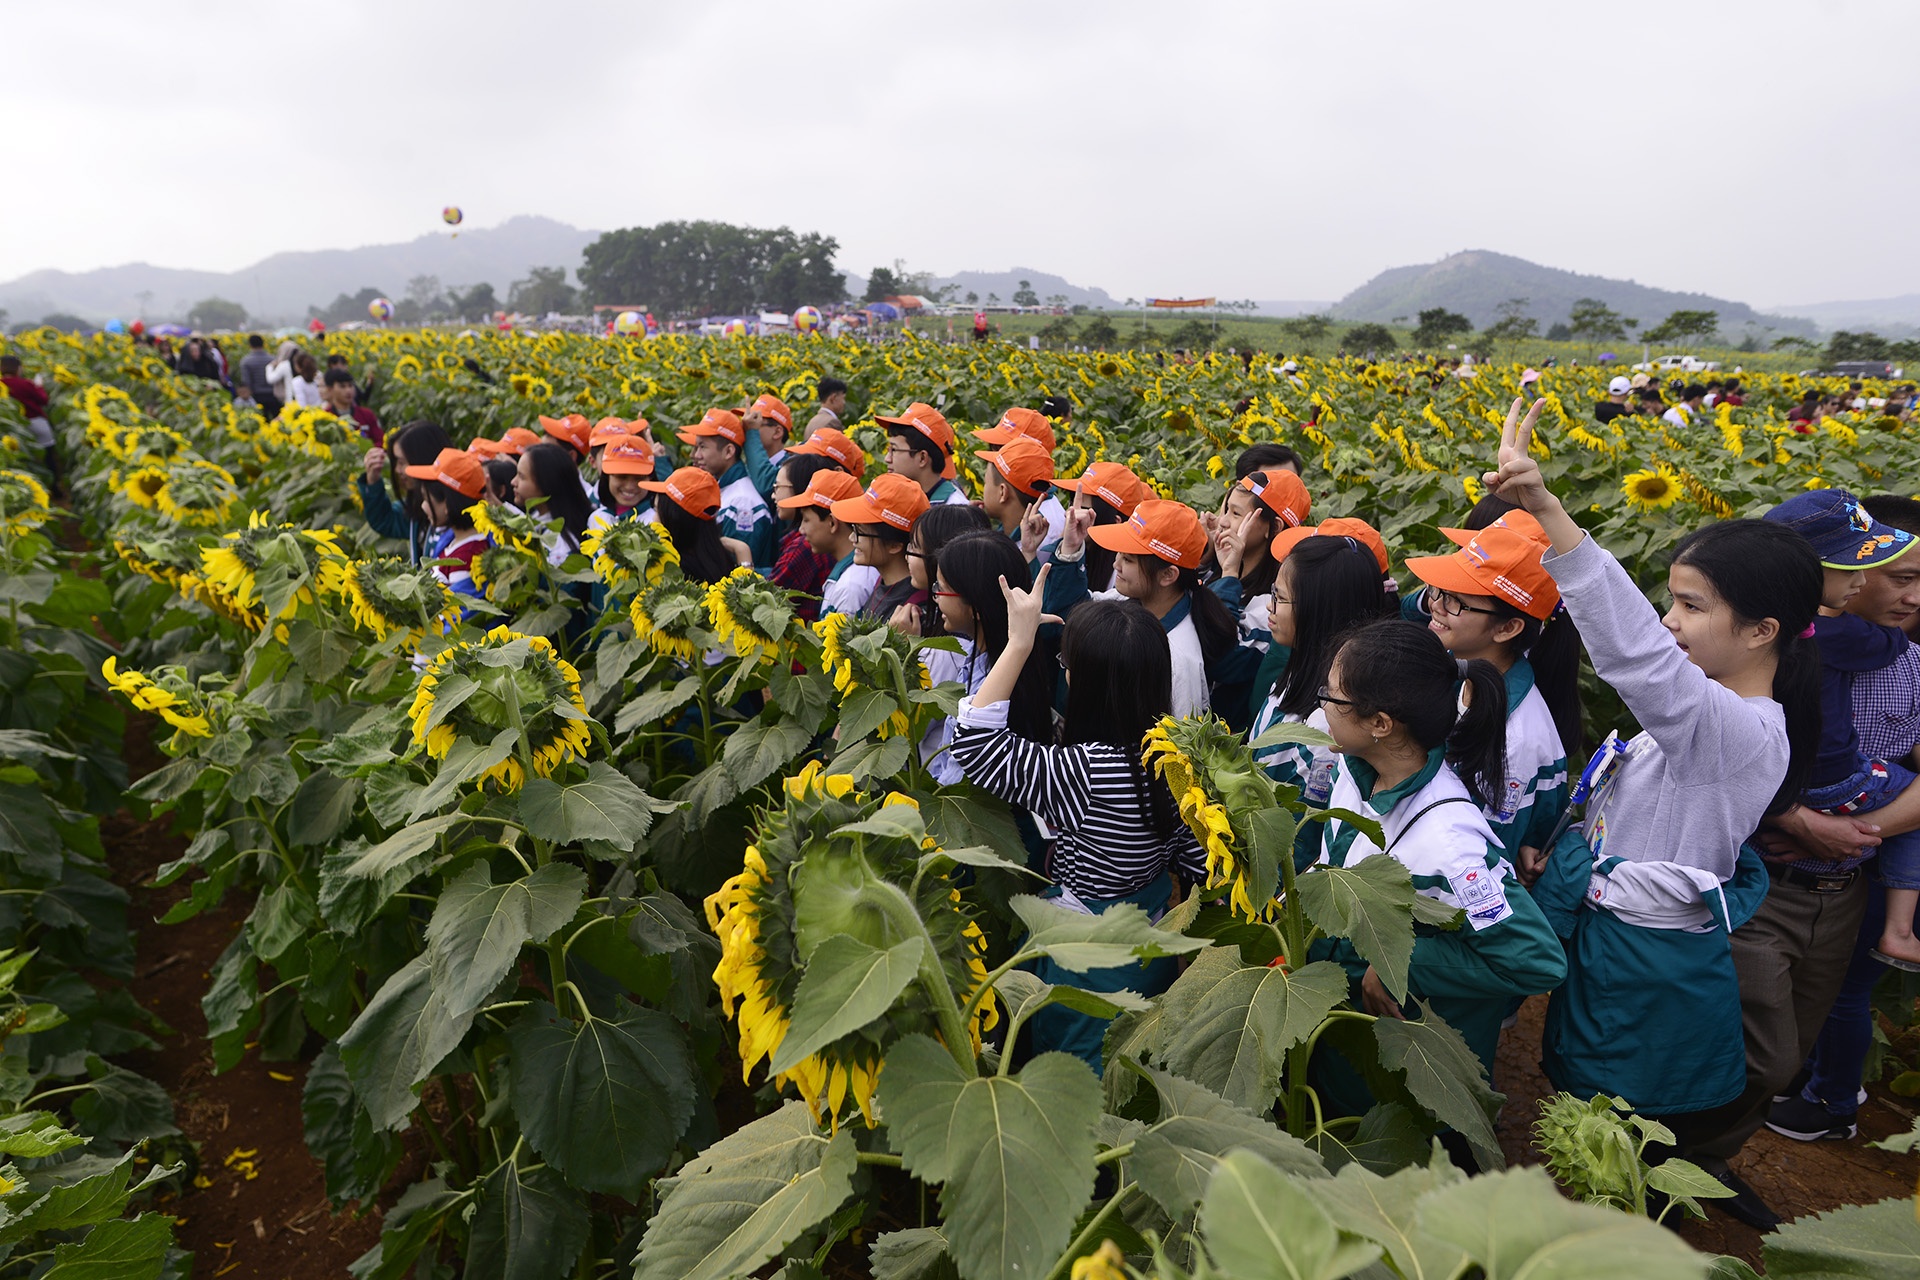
{"x": 1104, "y": 842}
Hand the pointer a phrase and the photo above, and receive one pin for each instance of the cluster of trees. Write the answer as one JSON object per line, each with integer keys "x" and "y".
{"x": 427, "y": 300}
{"x": 1845, "y": 345}
{"x": 708, "y": 268}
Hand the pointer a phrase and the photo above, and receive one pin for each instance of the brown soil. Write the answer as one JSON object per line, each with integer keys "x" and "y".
{"x": 1795, "y": 1178}
{"x": 264, "y": 1212}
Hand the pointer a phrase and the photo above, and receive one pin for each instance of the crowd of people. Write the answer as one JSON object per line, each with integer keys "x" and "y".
{"x": 1709, "y": 932}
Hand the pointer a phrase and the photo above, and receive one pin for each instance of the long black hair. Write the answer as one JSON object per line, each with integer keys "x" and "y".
{"x": 1332, "y": 585}
{"x": 419, "y": 443}
{"x": 500, "y": 473}
{"x": 1100, "y": 559}
{"x": 972, "y": 566}
{"x": 1213, "y": 622}
{"x": 1401, "y": 668}
{"x": 557, "y": 473}
{"x": 1552, "y": 649}
{"x": 1120, "y": 685}
{"x": 1765, "y": 570}
{"x": 703, "y": 556}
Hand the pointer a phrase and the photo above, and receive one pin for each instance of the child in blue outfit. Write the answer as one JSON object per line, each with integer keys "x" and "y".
{"x": 1849, "y": 541}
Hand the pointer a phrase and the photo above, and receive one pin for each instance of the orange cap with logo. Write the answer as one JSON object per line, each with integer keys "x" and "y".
{"x": 692, "y": 489}
{"x": 717, "y": 422}
{"x": 838, "y": 445}
{"x": 1157, "y": 527}
{"x": 929, "y": 422}
{"x": 770, "y": 407}
{"x": 481, "y": 447}
{"x": 1337, "y": 527}
{"x": 627, "y": 456}
{"x": 1015, "y": 423}
{"x": 607, "y": 430}
{"x": 890, "y": 499}
{"x": 1284, "y": 493}
{"x": 1502, "y": 560}
{"x": 1024, "y": 463}
{"x": 573, "y": 430}
{"x": 517, "y": 440}
{"x": 1112, "y": 482}
{"x": 457, "y": 469}
{"x": 825, "y": 489}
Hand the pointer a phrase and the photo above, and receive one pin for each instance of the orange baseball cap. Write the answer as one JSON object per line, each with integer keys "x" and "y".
{"x": 1015, "y": 423}
{"x": 627, "y": 456}
{"x": 929, "y": 422}
{"x": 1157, "y": 527}
{"x": 457, "y": 469}
{"x": 1337, "y": 527}
{"x": 770, "y": 406}
{"x": 838, "y": 445}
{"x": 605, "y": 431}
{"x": 517, "y": 440}
{"x": 482, "y": 447}
{"x": 572, "y": 430}
{"x": 692, "y": 489}
{"x": 1501, "y": 560}
{"x": 1111, "y": 481}
{"x": 1284, "y": 493}
{"x": 825, "y": 489}
{"x": 717, "y": 422}
{"x": 1026, "y": 465}
{"x": 890, "y": 499}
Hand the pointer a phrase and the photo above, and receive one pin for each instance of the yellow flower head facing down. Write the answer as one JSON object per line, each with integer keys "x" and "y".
{"x": 196, "y": 493}
{"x": 629, "y": 553}
{"x": 24, "y": 504}
{"x": 1207, "y": 768}
{"x": 1653, "y": 489}
{"x": 386, "y": 595}
{"x": 867, "y": 653}
{"x": 843, "y": 884}
{"x": 172, "y": 698}
{"x": 521, "y": 678}
{"x": 671, "y": 616}
{"x": 750, "y": 613}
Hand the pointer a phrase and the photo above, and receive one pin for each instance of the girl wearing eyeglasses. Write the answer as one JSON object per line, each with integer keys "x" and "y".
{"x": 1425, "y": 769}
{"x": 1493, "y": 600}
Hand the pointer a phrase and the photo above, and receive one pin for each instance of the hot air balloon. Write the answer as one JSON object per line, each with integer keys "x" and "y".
{"x": 451, "y": 215}
{"x": 734, "y": 329}
{"x": 806, "y": 319}
{"x": 116, "y": 326}
{"x": 380, "y": 309}
{"x": 137, "y": 328}
{"x": 629, "y": 322}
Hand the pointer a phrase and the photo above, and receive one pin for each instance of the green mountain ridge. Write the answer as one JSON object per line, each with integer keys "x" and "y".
{"x": 1477, "y": 281}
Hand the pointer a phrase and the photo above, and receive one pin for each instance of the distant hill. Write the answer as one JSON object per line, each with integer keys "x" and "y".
{"x": 1891, "y": 317}
{"x": 1004, "y": 284}
{"x": 1476, "y": 282}
{"x": 278, "y": 290}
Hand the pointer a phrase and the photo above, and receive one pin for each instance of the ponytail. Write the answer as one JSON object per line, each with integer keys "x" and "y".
{"x": 1402, "y": 669}
{"x": 1213, "y": 622}
{"x": 1552, "y": 649}
{"x": 1765, "y": 570}
{"x": 1477, "y": 746}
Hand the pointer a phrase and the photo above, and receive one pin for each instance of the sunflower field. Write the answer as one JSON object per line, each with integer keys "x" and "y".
{"x": 629, "y": 901}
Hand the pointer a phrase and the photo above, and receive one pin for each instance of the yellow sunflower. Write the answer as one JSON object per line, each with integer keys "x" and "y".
{"x": 529, "y": 678}
{"x": 1653, "y": 489}
{"x": 142, "y": 487}
{"x": 170, "y": 701}
{"x": 24, "y": 505}
{"x": 629, "y": 551}
{"x": 749, "y": 613}
{"x": 861, "y": 882}
{"x": 671, "y": 615}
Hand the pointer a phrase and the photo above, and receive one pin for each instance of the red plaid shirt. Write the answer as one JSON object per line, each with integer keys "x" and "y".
{"x": 801, "y": 568}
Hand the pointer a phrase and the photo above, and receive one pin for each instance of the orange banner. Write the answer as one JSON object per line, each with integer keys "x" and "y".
{"x": 1180, "y": 302}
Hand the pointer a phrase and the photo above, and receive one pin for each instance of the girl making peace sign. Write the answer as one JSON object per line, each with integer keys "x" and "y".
{"x": 1646, "y": 897}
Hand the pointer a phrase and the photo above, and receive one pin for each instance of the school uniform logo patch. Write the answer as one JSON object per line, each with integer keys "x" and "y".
{"x": 1510, "y": 802}
{"x": 1482, "y": 895}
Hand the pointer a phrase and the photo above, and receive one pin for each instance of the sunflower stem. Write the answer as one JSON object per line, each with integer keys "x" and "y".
{"x": 1086, "y": 1236}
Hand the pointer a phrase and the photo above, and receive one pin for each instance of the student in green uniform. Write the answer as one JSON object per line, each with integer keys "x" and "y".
{"x": 1492, "y": 599}
{"x": 1645, "y": 898}
{"x": 1425, "y": 771}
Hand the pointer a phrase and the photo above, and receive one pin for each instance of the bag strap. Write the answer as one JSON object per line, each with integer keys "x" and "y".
{"x": 1423, "y": 813}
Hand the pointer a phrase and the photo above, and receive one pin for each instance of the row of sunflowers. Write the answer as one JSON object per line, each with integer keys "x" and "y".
{"x": 630, "y": 899}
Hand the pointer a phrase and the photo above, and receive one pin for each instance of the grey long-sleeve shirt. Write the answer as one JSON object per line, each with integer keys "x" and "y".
{"x": 1696, "y": 782}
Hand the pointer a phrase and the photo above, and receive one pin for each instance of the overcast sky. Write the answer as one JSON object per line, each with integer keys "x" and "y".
{"x": 1760, "y": 150}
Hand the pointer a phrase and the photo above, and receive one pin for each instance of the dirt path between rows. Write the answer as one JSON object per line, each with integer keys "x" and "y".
{"x": 263, "y": 1212}
{"x": 1795, "y": 1178}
